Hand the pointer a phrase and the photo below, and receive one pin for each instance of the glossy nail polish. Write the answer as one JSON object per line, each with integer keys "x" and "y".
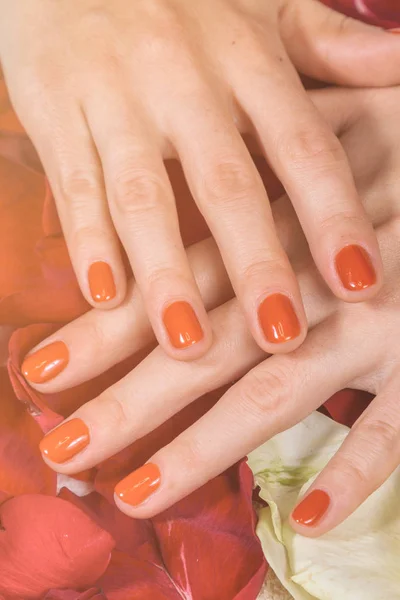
{"x": 182, "y": 325}
{"x": 278, "y": 319}
{"x": 311, "y": 510}
{"x": 139, "y": 485}
{"x": 355, "y": 268}
{"x": 101, "y": 282}
{"x": 46, "y": 363}
{"x": 66, "y": 441}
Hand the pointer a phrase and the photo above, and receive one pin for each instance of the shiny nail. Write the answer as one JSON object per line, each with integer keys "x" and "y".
{"x": 66, "y": 441}
{"x": 355, "y": 268}
{"x": 101, "y": 282}
{"x": 278, "y": 319}
{"x": 311, "y": 510}
{"x": 182, "y": 325}
{"x": 46, "y": 363}
{"x": 139, "y": 485}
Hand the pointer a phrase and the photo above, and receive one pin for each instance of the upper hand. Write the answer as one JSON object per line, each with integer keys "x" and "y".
{"x": 107, "y": 91}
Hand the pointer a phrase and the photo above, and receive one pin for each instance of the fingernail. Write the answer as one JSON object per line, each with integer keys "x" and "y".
{"x": 312, "y": 508}
{"x": 182, "y": 325}
{"x": 139, "y": 485}
{"x": 355, "y": 268}
{"x": 278, "y": 319}
{"x": 46, "y": 363}
{"x": 66, "y": 441}
{"x": 396, "y": 30}
{"x": 101, "y": 282}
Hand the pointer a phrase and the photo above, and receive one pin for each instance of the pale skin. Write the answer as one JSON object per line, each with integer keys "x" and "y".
{"x": 348, "y": 346}
{"x": 107, "y": 91}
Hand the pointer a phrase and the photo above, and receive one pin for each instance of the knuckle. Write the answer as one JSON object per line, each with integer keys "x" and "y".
{"x": 264, "y": 393}
{"x": 138, "y": 192}
{"x": 112, "y": 405}
{"x": 87, "y": 236}
{"x": 380, "y": 434}
{"x": 261, "y": 270}
{"x": 96, "y": 334}
{"x": 192, "y": 452}
{"x": 229, "y": 182}
{"x": 336, "y": 219}
{"x": 161, "y": 276}
{"x": 310, "y": 149}
{"x": 350, "y": 470}
{"x": 77, "y": 187}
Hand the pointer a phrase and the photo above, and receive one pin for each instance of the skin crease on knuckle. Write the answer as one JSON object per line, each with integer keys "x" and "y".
{"x": 230, "y": 183}
{"x": 138, "y": 194}
{"x": 264, "y": 392}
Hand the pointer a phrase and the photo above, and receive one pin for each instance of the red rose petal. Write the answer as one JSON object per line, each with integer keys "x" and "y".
{"x": 49, "y": 543}
{"x": 382, "y": 13}
{"x": 204, "y": 538}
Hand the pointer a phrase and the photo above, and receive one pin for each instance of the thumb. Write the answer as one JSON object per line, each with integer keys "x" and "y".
{"x": 331, "y": 47}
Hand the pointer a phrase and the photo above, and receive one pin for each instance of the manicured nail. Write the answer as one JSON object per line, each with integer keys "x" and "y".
{"x": 278, "y": 319}
{"x": 355, "y": 268}
{"x": 182, "y": 325}
{"x": 46, "y": 363}
{"x": 312, "y": 508}
{"x": 139, "y": 485}
{"x": 101, "y": 282}
{"x": 66, "y": 441}
{"x": 396, "y": 30}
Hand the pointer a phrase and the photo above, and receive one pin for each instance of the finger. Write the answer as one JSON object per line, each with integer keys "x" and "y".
{"x": 270, "y": 398}
{"x": 367, "y": 457}
{"x": 98, "y": 340}
{"x": 329, "y": 46}
{"x": 71, "y": 163}
{"x": 229, "y": 192}
{"x": 140, "y": 402}
{"x": 312, "y": 165}
{"x": 143, "y": 209}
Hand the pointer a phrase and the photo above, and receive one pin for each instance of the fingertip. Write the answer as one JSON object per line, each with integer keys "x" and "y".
{"x": 358, "y": 273}
{"x": 186, "y": 332}
{"x": 106, "y": 285}
{"x": 310, "y": 514}
{"x": 282, "y": 324}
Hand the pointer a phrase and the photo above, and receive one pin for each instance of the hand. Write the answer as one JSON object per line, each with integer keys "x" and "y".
{"x": 107, "y": 92}
{"x": 348, "y": 346}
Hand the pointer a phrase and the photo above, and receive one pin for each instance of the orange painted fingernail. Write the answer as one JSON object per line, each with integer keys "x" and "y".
{"x": 46, "y": 363}
{"x": 139, "y": 485}
{"x": 278, "y": 319}
{"x": 355, "y": 268}
{"x": 182, "y": 325}
{"x": 312, "y": 508}
{"x": 101, "y": 282}
{"x": 66, "y": 441}
{"x": 396, "y": 30}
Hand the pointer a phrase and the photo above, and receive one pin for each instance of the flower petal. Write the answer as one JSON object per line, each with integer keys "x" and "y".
{"x": 49, "y": 543}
